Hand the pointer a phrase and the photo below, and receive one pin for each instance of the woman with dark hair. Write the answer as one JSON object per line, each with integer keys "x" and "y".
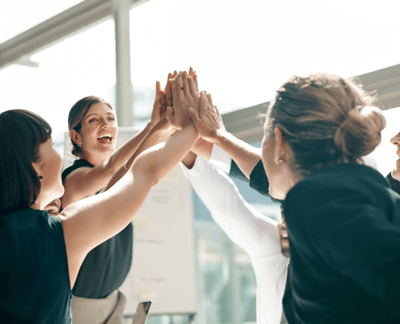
{"x": 342, "y": 218}
{"x": 93, "y": 132}
{"x": 40, "y": 255}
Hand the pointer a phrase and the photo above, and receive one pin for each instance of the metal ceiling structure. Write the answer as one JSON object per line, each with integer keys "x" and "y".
{"x": 386, "y": 82}
{"x": 74, "y": 20}
{"x": 242, "y": 123}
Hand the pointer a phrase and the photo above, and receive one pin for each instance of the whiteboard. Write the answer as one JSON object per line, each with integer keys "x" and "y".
{"x": 163, "y": 268}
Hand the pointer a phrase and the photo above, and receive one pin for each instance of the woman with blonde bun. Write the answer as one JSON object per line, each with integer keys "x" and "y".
{"x": 342, "y": 218}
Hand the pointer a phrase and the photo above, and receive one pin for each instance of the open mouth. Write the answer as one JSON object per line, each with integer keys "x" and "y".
{"x": 105, "y": 139}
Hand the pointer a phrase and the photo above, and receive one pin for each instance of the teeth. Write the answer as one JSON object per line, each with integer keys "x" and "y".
{"x": 106, "y": 135}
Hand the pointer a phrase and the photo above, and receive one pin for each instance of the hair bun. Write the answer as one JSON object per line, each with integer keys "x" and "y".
{"x": 360, "y": 132}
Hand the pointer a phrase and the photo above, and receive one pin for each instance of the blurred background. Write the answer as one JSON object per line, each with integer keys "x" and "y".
{"x": 54, "y": 52}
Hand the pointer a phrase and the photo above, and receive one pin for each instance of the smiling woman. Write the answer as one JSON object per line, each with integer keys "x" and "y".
{"x": 93, "y": 132}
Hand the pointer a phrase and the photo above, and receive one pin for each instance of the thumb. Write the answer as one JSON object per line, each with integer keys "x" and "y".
{"x": 194, "y": 115}
{"x": 170, "y": 114}
{"x": 170, "y": 111}
{"x": 158, "y": 87}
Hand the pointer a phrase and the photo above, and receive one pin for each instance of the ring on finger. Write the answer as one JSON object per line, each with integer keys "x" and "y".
{"x": 182, "y": 88}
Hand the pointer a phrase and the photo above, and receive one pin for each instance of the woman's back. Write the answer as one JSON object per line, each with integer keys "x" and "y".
{"x": 33, "y": 260}
{"x": 344, "y": 222}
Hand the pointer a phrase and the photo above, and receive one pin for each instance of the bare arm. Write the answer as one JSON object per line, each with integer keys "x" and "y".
{"x": 164, "y": 128}
{"x": 85, "y": 182}
{"x": 89, "y": 222}
{"x": 158, "y": 134}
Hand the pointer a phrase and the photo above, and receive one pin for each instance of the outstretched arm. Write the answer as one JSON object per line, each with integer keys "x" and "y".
{"x": 164, "y": 129}
{"x": 210, "y": 126}
{"x": 91, "y": 221}
{"x": 85, "y": 182}
{"x": 256, "y": 234}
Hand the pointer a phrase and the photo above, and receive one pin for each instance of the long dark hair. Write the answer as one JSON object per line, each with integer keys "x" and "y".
{"x": 21, "y": 133}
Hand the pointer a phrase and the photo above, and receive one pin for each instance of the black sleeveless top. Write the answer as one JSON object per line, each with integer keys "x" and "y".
{"x": 34, "y": 278}
{"x": 107, "y": 265}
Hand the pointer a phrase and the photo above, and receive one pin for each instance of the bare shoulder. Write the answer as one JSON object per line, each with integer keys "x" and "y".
{"x": 75, "y": 188}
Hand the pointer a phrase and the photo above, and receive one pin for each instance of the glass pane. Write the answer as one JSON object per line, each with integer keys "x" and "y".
{"x": 79, "y": 66}
{"x": 225, "y": 276}
{"x": 244, "y": 50}
{"x": 18, "y": 16}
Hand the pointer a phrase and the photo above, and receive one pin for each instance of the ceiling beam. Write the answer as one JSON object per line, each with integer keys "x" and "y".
{"x": 385, "y": 83}
{"x": 83, "y": 15}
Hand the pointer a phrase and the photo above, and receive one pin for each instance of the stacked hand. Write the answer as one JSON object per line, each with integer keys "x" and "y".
{"x": 185, "y": 95}
{"x": 180, "y": 104}
{"x": 163, "y": 99}
{"x": 207, "y": 119}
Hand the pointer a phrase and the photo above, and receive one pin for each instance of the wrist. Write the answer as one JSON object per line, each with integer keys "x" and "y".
{"x": 219, "y": 136}
{"x": 190, "y": 128}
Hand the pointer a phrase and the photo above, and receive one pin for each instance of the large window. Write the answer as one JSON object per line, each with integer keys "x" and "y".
{"x": 18, "y": 16}
{"x": 79, "y": 66}
{"x": 243, "y": 50}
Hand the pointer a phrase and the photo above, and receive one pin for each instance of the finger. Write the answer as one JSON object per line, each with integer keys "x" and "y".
{"x": 192, "y": 88}
{"x": 158, "y": 89}
{"x": 166, "y": 85}
{"x": 168, "y": 93}
{"x": 203, "y": 100}
{"x": 179, "y": 85}
{"x": 193, "y": 74}
{"x": 170, "y": 114}
{"x": 210, "y": 100}
{"x": 185, "y": 83}
{"x": 218, "y": 117}
{"x": 194, "y": 116}
{"x": 195, "y": 81}
{"x": 176, "y": 85}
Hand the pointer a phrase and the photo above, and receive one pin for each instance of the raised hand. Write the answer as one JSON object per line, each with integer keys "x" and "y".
{"x": 158, "y": 110}
{"x": 163, "y": 99}
{"x": 193, "y": 74}
{"x": 184, "y": 95}
{"x": 207, "y": 119}
{"x": 168, "y": 90}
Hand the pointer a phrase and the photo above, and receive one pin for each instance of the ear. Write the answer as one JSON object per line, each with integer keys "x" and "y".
{"x": 281, "y": 147}
{"x": 75, "y": 136}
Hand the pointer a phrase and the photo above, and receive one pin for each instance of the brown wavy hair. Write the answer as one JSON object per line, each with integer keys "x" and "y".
{"x": 326, "y": 120}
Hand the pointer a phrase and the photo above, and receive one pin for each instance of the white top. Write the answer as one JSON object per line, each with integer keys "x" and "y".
{"x": 253, "y": 232}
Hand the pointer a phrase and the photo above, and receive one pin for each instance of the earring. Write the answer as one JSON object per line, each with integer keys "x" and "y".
{"x": 40, "y": 177}
{"x": 79, "y": 145}
{"x": 280, "y": 160}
